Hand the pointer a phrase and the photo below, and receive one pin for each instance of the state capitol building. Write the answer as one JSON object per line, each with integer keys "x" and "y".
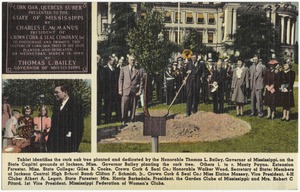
{"x": 215, "y": 22}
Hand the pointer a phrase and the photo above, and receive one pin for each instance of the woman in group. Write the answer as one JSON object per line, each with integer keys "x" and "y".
{"x": 25, "y": 129}
{"x": 287, "y": 78}
{"x": 239, "y": 85}
{"x": 271, "y": 85}
{"x": 6, "y": 111}
{"x": 26, "y": 123}
{"x": 42, "y": 125}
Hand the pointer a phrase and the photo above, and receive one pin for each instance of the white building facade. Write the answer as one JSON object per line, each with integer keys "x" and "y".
{"x": 215, "y": 22}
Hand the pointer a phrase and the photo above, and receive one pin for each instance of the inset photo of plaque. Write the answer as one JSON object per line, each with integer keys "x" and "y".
{"x": 43, "y": 115}
{"x": 46, "y": 38}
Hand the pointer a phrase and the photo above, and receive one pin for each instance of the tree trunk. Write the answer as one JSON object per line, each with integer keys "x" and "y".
{"x": 146, "y": 111}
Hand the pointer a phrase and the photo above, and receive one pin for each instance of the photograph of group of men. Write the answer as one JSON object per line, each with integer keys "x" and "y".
{"x": 204, "y": 81}
{"x": 49, "y": 122}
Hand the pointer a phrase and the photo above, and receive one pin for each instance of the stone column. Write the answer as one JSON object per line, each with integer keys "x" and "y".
{"x": 109, "y": 15}
{"x": 172, "y": 35}
{"x": 282, "y": 29}
{"x": 99, "y": 23}
{"x": 273, "y": 18}
{"x": 205, "y": 36}
{"x": 293, "y": 33}
{"x": 234, "y": 21}
{"x": 225, "y": 25}
{"x": 219, "y": 29}
{"x": 288, "y": 31}
{"x": 172, "y": 17}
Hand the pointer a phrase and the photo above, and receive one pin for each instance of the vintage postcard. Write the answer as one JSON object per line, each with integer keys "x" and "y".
{"x": 150, "y": 95}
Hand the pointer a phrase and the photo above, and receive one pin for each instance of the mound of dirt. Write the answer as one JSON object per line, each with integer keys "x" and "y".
{"x": 202, "y": 126}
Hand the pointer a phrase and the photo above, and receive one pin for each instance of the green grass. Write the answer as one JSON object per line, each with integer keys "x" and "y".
{"x": 265, "y": 135}
{"x": 295, "y": 68}
{"x": 85, "y": 145}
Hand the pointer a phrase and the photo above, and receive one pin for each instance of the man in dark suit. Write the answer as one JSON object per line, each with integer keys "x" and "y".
{"x": 100, "y": 89}
{"x": 67, "y": 122}
{"x": 256, "y": 75}
{"x": 130, "y": 86}
{"x": 218, "y": 89}
{"x": 112, "y": 100}
{"x": 193, "y": 84}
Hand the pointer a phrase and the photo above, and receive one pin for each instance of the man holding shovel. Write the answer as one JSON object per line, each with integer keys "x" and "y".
{"x": 193, "y": 83}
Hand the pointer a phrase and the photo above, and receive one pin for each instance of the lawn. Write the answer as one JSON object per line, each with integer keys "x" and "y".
{"x": 295, "y": 68}
{"x": 265, "y": 135}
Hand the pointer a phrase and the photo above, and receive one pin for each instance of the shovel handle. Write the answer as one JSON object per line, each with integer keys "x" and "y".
{"x": 177, "y": 94}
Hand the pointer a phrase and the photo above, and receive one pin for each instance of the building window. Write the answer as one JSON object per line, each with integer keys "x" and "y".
{"x": 176, "y": 37}
{"x": 189, "y": 17}
{"x": 105, "y": 26}
{"x": 177, "y": 17}
{"x": 210, "y": 37}
{"x": 211, "y": 18}
{"x": 200, "y": 35}
{"x": 167, "y": 16}
{"x": 200, "y": 18}
{"x": 166, "y": 35}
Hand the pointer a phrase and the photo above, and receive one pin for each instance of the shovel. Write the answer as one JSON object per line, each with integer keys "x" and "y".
{"x": 176, "y": 96}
